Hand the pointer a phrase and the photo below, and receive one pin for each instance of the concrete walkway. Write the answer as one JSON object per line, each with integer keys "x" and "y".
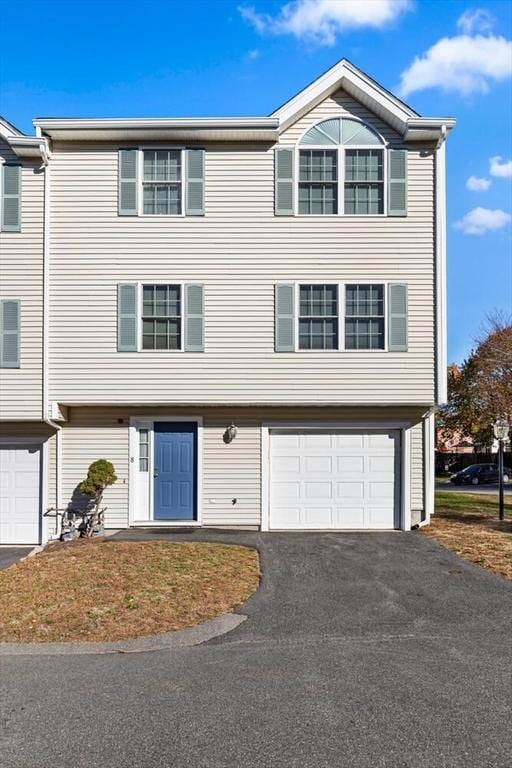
{"x": 360, "y": 650}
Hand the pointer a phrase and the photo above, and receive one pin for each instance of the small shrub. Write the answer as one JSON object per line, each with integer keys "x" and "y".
{"x": 100, "y": 475}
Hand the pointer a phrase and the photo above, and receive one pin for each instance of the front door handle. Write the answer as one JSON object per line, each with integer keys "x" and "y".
{"x": 155, "y": 472}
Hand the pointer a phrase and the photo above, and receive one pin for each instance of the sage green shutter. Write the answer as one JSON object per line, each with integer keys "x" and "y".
{"x": 9, "y": 333}
{"x": 397, "y": 182}
{"x": 127, "y": 183}
{"x": 194, "y": 318}
{"x": 283, "y": 172}
{"x": 127, "y": 317}
{"x": 397, "y": 317}
{"x": 284, "y": 317}
{"x": 194, "y": 165}
{"x": 11, "y": 198}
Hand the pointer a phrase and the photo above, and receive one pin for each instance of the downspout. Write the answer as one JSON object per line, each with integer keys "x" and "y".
{"x": 46, "y": 334}
{"x": 440, "y": 359}
{"x": 440, "y": 268}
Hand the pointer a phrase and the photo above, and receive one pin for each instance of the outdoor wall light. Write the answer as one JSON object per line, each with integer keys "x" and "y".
{"x": 230, "y": 433}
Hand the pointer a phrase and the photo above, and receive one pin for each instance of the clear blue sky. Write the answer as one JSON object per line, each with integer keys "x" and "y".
{"x": 124, "y": 58}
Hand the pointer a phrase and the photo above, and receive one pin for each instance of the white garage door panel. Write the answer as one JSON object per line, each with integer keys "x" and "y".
{"x": 19, "y": 495}
{"x": 334, "y": 479}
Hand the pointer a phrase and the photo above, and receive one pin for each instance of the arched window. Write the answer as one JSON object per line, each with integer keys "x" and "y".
{"x": 341, "y": 169}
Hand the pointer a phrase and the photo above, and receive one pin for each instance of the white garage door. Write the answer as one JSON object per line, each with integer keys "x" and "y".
{"x": 20, "y": 494}
{"x": 334, "y": 479}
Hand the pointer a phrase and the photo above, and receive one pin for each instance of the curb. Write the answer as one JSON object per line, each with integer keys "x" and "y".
{"x": 180, "y": 638}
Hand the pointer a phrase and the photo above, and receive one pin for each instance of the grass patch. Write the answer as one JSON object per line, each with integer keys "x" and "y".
{"x": 102, "y": 590}
{"x": 468, "y": 524}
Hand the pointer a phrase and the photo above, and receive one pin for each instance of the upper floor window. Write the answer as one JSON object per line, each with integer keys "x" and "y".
{"x": 341, "y": 316}
{"x": 161, "y": 317}
{"x": 162, "y": 182}
{"x": 156, "y": 181}
{"x": 341, "y": 169}
{"x": 364, "y": 316}
{"x": 318, "y": 317}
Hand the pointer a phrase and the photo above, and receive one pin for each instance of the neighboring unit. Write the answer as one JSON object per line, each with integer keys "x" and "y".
{"x": 245, "y": 315}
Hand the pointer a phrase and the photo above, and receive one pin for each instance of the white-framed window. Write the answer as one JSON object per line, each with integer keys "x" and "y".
{"x": 162, "y": 182}
{"x": 318, "y": 181}
{"x": 318, "y": 317}
{"x": 364, "y": 182}
{"x": 143, "y": 449}
{"x": 341, "y": 316}
{"x": 161, "y": 316}
{"x": 341, "y": 170}
{"x": 365, "y": 316}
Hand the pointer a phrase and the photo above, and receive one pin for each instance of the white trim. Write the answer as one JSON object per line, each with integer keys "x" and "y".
{"x": 405, "y": 464}
{"x": 47, "y": 123}
{"x": 440, "y": 271}
{"x": 42, "y": 442}
{"x": 362, "y": 88}
{"x": 341, "y": 116}
{"x": 403, "y": 426}
{"x": 43, "y": 526}
{"x": 149, "y": 422}
{"x": 344, "y": 75}
{"x": 428, "y": 466}
{"x": 45, "y": 362}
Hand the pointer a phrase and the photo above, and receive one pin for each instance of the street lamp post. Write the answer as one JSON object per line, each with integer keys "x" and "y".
{"x": 501, "y": 428}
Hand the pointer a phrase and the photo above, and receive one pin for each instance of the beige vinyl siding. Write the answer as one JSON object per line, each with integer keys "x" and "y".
{"x": 230, "y": 471}
{"x": 417, "y": 473}
{"x": 21, "y": 277}
{"x": 238, "y": 250}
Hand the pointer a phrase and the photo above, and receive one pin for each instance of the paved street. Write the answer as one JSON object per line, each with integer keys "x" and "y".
{"x": 360, "y": 650}
{"x": 489, "y": 489}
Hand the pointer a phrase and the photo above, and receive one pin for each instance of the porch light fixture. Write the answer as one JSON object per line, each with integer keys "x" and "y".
{"x": 500, "y": 429}
{"x": 230, "y": 433}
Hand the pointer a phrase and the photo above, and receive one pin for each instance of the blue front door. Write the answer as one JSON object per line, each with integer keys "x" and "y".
{"x": 175, "y": 471}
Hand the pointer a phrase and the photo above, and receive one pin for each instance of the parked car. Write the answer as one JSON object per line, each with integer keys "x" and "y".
{"x": 480, "y": 473}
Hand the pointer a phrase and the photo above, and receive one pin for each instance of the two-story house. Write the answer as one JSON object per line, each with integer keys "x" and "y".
{"x": 245, "y": 315}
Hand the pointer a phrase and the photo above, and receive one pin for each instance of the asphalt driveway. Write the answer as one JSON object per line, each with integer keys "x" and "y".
{"x": 381, "y": 650}
{"x": 11, "y": 555}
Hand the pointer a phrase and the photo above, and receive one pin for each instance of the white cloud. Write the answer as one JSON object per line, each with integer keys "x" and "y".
{"x": 497, "y": 168}
{"x": 463, "y": 64}
{"x": 254, "y": 54}
{"x": 478, "y": 185}
{"x": 475, "y": 20}
{"x": 481, "y": 220}
{"x": 320, "y": 21}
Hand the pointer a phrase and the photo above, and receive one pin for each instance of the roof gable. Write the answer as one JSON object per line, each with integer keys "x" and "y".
{"x": 381, "y": 102}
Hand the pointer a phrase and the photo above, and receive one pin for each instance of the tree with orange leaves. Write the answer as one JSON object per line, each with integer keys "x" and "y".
{"x": 480, "y": 390}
